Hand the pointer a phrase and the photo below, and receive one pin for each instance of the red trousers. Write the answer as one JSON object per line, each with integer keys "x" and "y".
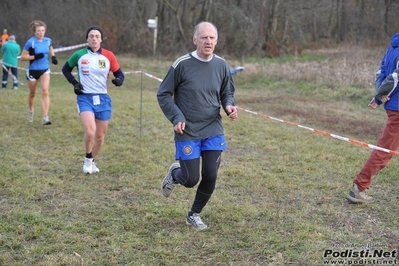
{"x": 388, "y": 139}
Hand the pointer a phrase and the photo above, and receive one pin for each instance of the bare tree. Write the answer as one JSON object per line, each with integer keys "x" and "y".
{"x": 177, "y": 16}
{"x": 272, "y": 23}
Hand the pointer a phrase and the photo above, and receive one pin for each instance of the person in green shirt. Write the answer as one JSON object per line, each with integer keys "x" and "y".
{"x": 11, "y": 50}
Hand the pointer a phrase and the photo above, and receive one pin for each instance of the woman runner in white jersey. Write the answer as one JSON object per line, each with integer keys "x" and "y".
{"x": 94, "y": 64}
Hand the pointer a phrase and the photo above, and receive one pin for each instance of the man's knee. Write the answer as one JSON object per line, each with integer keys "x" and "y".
{"x": 191, "y": 182}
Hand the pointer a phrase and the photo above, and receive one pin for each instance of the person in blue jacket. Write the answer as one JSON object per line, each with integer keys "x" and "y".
{"x": 387, "y": 93}
{"x": 37, "y": 51}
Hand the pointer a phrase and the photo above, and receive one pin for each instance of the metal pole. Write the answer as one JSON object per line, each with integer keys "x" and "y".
{"x": 155, "y": 36}
{"x": 141, "y": 101}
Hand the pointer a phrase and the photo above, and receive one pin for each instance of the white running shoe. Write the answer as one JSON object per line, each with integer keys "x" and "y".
{"x": 195, "y": 220}
{"x": 46, "y": 121}
{"x": 88, "y": 166}
{"x": 30, "y": 116}
{"x": 95, "y": 168}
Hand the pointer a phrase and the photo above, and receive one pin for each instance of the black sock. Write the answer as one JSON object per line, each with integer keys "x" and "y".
{"x": 174, "y": 179}
{"x": 89, "y": 155}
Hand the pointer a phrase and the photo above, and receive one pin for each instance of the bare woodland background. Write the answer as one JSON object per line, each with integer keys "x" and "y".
{"x": 246, "y": 27}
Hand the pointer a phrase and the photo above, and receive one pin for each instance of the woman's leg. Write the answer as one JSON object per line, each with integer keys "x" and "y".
{"x": 99, "y": 137}
{"x": 45, "y": 85}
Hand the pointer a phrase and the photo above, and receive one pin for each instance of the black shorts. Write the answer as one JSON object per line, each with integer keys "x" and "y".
{"x": 33, "y": 75}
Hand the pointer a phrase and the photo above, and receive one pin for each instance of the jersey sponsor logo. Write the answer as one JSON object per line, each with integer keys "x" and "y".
{"x": 101, "y": 64}
{"x": 85, "y": 63}
{"x": 188, "y": 150}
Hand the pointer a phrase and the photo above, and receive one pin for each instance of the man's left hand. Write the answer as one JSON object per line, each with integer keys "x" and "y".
{"x": 117, "y": 82}
{"x": 232, "y": 112}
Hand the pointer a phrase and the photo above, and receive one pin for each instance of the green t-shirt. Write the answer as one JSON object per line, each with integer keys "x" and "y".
{"x": 11, "y": 50}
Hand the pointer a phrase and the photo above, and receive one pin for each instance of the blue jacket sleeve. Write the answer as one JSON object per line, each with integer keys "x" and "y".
{"x": 388, "y": 85}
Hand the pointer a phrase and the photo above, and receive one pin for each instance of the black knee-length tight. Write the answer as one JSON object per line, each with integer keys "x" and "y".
{"x": 189, "y": 173}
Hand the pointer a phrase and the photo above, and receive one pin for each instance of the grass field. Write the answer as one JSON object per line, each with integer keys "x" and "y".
{"x": 280, "y": 196}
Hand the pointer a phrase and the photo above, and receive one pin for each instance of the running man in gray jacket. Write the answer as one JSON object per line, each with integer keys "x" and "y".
{"x": 196, "y": 86}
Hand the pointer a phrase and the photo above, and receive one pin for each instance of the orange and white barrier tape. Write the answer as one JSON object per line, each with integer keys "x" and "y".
{"x": 323, "y": 132}
{"x": 364, "y": 144}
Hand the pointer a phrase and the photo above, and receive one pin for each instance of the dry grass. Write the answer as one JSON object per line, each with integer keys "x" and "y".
{"x": 332, "y": 68}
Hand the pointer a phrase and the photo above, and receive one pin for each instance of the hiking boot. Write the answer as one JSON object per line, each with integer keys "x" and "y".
{"x": 30, "y": 116}
{"x": 195, "y": 220}
{"x": 46, "y": 121}
{"x": 357, "y": 196}
{"x": 168, "y": 184}
{"x": 94, "y": 167}
{"x": 88, "y": 166}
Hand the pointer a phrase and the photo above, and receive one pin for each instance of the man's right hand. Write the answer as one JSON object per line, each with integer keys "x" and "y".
{"x": 78, "y": 89}
{"x": 179, "y": 127}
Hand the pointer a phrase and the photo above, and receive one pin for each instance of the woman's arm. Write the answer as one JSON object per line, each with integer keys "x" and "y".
{"x": 25, "y": 56}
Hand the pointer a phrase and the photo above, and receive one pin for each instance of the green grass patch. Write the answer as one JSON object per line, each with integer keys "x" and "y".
{"x": 279, "y": 200}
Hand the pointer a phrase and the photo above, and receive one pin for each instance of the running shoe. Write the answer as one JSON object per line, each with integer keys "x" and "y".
{"x": 30, "y": 117}
{"x": 88, "y": 166}
{"x": 46, "y": 121}
{"x": 194, "y": 219}
{"x": 95, "y": 168}
{"x": 168, "y": 184}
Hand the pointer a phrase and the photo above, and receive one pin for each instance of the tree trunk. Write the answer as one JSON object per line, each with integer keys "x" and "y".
{"x": 343, "y": 21}
{"x": 272, "y": 25}
{"x": 262, "y": 18}
{"x": 388, "y": 4}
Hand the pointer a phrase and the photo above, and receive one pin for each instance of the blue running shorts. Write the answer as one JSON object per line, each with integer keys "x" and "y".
{"x": 99, "y": 104}
{"x": 188, "y": 150}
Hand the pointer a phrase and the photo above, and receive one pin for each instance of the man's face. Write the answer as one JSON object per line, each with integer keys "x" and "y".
{"x": 94, "y": 39}
{"x": 205, "y": 40}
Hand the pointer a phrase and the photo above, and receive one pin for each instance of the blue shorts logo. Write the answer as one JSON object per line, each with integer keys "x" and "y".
{"x": 188, "y": 150}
